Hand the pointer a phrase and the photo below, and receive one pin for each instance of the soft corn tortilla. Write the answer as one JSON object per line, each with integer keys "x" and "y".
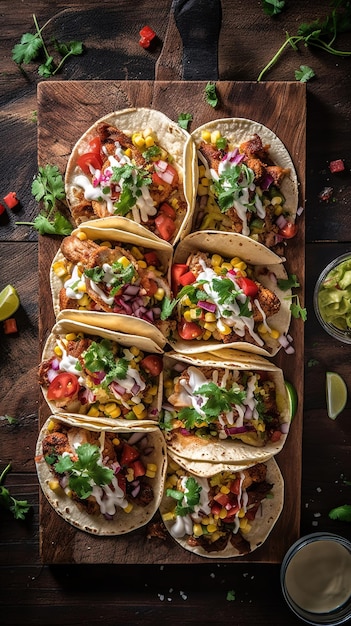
{"x": 261, "y": 526}
{"x": 76, "y": 410}
{"x": 239, "y": 130}
{"x": 171, "y": 137}
{"x": 229, "y": 453}
{"x": 263, "y": 260}
{"x": 107, "y": 230}
{"x": 98, "y": 525}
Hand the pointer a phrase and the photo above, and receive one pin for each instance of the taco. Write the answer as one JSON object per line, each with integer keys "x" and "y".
{"x": 226, "y": 515}
{"x": 246, "y": 182}
{"x": 227, "y": 292}
{"x": 131, "y": 164}
{"x": 101, "y": 374}
{"x": 221, "y": 408}
{"x": 115, "y": 272}
{"x": 102, "y": 481}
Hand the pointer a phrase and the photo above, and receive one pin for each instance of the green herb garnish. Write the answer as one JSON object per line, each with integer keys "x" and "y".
{"x": 184, "y": 120}
{"x": 131, "y": 179}
{"x": 18, "y": 508}
{"x": 99, "y": 357}
{"x": 86, "y": 471}
{"x": 342, "y": 513}
{"x": 211, "y": 94}
{"x": 304, "y": 74}
{"x": 190, "y": 496}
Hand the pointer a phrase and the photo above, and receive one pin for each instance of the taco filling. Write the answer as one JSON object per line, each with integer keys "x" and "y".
{"x": 104, "y": 276}
{"x": 102, "y": 472}
{"x": 215, "y": 513}
{"x": 222, "y": 300}
{"x": 98, "y": 377}
{"x": 130, "y": 176}
{"x": 240, "y": 191}
{"x": 218, "y": 404}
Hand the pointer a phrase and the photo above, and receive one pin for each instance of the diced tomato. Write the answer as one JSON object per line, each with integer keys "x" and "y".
{"x": 138, "y": 468}
{"x": 216, "y": 508}
{"x": 151, "y": 258}
{"x": 122, "y": 482}
{"x": 10, "y": 326}
{"x": 167, "y": 209}
{"x": 2, "y": 209}
{"x": 89, "y": 158}
{"x": 152, "y": 364}
{"x": 231, "y": 512}
{"x": 65, "y": 385}
{"x": 248, "y": 286}
{"x": 189, "y": 330}
{"x": 251, "y": 513}
{"x": 276, "y": 435}
{"x": 289, "y": 230}
{"x": 235, "y": 486}
{"x": 336, "y": 166}
{"x": 170, "y": 170}
{"x": 165, "y": 226}
{"x": 150, "y": 286}
{"x": 221, "y": 498}
{"x": 11, "y": 199}
{"x": 95, "y": 145}
{"x": 156, "y": 179}
{"x": 176, "y": 272}
{"x": 129, "y": 454}
{"x": 146, "y": 36}
{"x": 187, "y": 279}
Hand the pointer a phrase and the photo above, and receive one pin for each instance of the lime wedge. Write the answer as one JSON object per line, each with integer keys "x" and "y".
{"x": 292, "y": 399}
{"x": 336, "y": 394}
{"x": 9, "y": 302}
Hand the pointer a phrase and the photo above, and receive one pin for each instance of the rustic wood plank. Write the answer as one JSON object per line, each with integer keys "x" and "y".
{"x": 280, "y": 106}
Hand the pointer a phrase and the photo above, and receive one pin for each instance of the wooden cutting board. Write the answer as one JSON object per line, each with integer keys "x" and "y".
{"x": 65, "y": 110}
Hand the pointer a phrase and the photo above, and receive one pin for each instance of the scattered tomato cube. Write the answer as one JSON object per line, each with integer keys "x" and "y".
{"x": 11, "y": 199}
{"x": 10, "y": 326}
{"x": 2, "y": 209}
{"x": 336, "y": 166}
{"x": 146, "y": 36}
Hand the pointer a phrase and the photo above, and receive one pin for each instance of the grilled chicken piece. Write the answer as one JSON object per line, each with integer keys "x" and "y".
{"x": 91, "y": 254}
{"x": 255, "y": 474}
{"x": 110, "y": 135}
{"x": 212, "y": 155}
{"x": 254, "y": 148}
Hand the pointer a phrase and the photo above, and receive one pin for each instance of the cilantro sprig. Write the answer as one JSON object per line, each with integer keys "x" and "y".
{"x": 48, "y": 187}
{"x": 219, "y": 400}
{"x": 211, "y": 94}
{"x": 295, "y": 307}
{"x": 99, "y": 357}
{"x": 18, "y": 508}
{"x": 320, "y": 33}
{"x": 184, "y": 120}
{"x": 187, "y": 499}
{"x": 85, "y": 471}
{"x": 121, "y": 275}
{"x": 131, "y": 179}
{"x": 273, "y": 7}
{"x": 33, "y": 46}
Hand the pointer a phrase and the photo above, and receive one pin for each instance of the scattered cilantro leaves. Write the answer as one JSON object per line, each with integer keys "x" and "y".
{"x": 18, "y": 508}
{"x": 231, "y": 595}
{"x": 131, "y": 179}
{"x": 184, "y": 120}
{"x": 121, "y": 275}
{"x": 304, "y": 74}
{"x": 191, "y": 493}
{"x": 219, "y": 400}
{"x": 211, "y": 94}
{"x": 9, "y": 418}
{"x": 320, "y": 33}
{"x": 342, "y": 513}
{"x": 86, "y": 471}
{"x": 273, "y": 7}
{"x": 48, "y": 188}
{"x": 33, "y": 46}
{"x": 288, "y": 283}
{"x": 296, "y": 309}
{"x": 100, "y": 357}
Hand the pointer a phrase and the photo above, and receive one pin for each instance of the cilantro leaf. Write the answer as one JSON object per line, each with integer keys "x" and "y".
{"x": 304, "y": 74}
{"x": 187, "y": 499}
{"x": 152, "y": 152}
{"x": 167, "y": 307}
{"x": 273, "y": 7}
{"x": 86, "y": 471}
{"x": 342, "y": 513}
{"x": 99, "y": 357}
{"x": 211, "y": 94}
{"x": 58, "y": 226}
{"x": 219, "y": 400}
{"x": 28, "y": 49}
{"x": 233, "y": 185}
{"x": 296, "y": 309}
{"x": 131, "y": 178}
{"x": 18, "y": 508}
{"x": 184, "y": 120}
{"x": 231, "y": 595}
{"x": 288, "y": 283}
{"x": 226, "y": 289}
{"x": 121, "y": 275}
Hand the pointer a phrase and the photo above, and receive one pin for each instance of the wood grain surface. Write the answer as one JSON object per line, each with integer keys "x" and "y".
{"x": 281, "y": 107}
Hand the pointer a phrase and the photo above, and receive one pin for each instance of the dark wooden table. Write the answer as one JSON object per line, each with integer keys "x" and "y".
{"x": 33, "y": 593}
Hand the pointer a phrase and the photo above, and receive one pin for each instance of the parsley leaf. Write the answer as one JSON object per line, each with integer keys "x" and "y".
{"x": 86, "y": 471}
{"x": 18, "y": 508}
{"x": 273, "y": 7}
{"x": 211, "y": 94}
{"x": 184, "y": 120}
{"x": 342, "y": 513}
{"x": 304, "y": 74}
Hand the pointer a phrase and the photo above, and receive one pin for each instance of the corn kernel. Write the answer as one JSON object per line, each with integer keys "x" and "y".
{"x": 202, "y": 190}
{"x": 137, "y": 254}
{"x": 124, "y": 261}
{"x": 262, "y": 329}
{"x": 215, "y": 135}
{"x": 215, "y": 536}
{"x": 134, "y": 350}
{"x": 82, "y": 288}
{"x": 150, "y": 474}
{"x": 197, "y": 530}
{"x": 112, "y": 409}
{"x": 168, "y": 517}
{"x": 142, "y": 265}
{"x": 71, "y": 336}
{"x": 81, "y": 235}
{"x": 187, "y": 315}
{"x": 206, "y": 136}
{"x": 148, "y": 132}
{"x": 241, "y": 513}
{"x": 276, "y": 200}
{"x": 224, "y": 329}
{"x": 196, "y": 313}
{"x": 128, "y": 508}
{"x": 138, "y": 140}
{"x": 205, "y": 182}
{"x": 211, "y": 326}
{"x": 206, "y": 335}
{"x": 51, "y": 425}
{"x": 216, "y": 259}
{"x": 60, "y": 269}
{"x": 211, "y": 528}
{"x": 160, "y": 294}
{"x": 130, "y": 474}
{"x": 174, "y": 203}
{"x": 275, "y": 334}
{"x": 202, "y": 171}
{"x": 116, "y": 441}
{"x": 154, "y": 389}
{"x": 261, "y": 427}
{"x": 93, "y": 411}
{"x": 210, "y": 317}
{"x": 128, "y": 152}
{"x": 206, "y": 520}
{"x": 223, "y": 513}
{"x": 148, "y": 398}
{"x": 139, "y": 408}
{"x": 54, "y": 485}
{"x": 149, "y": 141}
{"x": 224, "y": 489}
{"x": 278, "y": 210}
{"x": 58, "y": 351}
{"x": 106, "y": 244}
{"x": 217, "y": 270}
{"x": 84, "y": 301}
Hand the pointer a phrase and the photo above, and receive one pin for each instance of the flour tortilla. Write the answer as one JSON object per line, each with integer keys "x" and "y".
{"x": 228, "y": 453}
{"x": 107, "y": 230}
{"x": 239, "y": 130}
{"x": 68, "y": 509}
{"x": 261, "y": 526}
{"x": 78, "y": 411}
{"x": 171, "y": 137}
{"x": 264, "y": 262}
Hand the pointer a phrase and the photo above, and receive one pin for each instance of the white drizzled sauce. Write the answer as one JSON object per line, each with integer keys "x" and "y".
{"x": 75, "y": 285}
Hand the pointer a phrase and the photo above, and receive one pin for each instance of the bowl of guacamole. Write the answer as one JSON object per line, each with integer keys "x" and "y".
{"x": 332, "y": 298}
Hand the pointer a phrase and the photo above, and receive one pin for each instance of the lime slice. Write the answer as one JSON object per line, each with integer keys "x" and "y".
{"x": 336, "y": 394}
{"x": 9, "y": 302}
{"x": 292, "y": 399}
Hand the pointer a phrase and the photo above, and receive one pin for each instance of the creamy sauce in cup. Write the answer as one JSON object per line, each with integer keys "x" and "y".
{"x": 318, "y": 576}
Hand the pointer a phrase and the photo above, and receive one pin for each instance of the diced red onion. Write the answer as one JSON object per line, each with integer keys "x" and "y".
{"x": 131, "y": 290}
{"x": 248, "y": 413}
{"x": 135, "y": 491}
{"x": 284, "y": 428}
{"x": 184, "y": 431}
{"x": 98, "y": 377}
{"x": 266, "y": 182}
{"x": 161, "y": 166}
{"x": 135, "y": 389}
{"x": 236, "y": 430}
{"x": 281, "y": 221}
{"x": 290, "y": 350}
{"x": 273, "y": 277}
{"x": 135, "y": 438}
{"x": 51, "y": 374}
{"x": 207, "y": 306}
{"x": 283, "y": 340}
{"x": 300, "y": 210}
{"x": 55, "y": 364}
{"x": 117, "y": 389}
